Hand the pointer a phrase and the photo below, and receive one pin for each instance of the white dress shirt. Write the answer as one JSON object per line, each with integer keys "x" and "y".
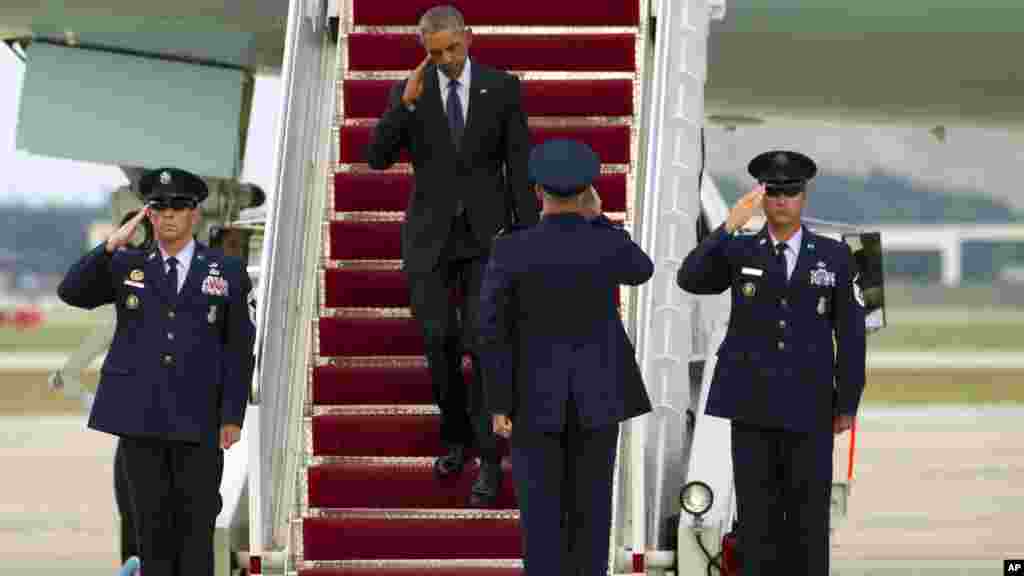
{"x": 463, "y": 89}
{"x": 184, "y": 261}
{"x": 792, "y": 251}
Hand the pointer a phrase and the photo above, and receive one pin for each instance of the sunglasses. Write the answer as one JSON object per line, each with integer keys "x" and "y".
{"x": 775, "y": 192}
{"x": 174, "y": 203}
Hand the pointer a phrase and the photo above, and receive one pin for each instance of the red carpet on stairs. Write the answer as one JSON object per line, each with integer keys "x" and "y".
{"x": 372, "y": 505}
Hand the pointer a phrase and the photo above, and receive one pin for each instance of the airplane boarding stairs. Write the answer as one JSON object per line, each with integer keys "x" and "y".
{"x": 371, "y": 502}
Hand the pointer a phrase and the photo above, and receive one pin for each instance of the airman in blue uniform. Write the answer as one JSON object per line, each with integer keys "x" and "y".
{"x": 790, "y": 371}
{"x": 559, "y": 364}
{"x": 175, "y": 382}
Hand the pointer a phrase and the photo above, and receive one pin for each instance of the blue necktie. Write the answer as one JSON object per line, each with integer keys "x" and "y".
{"x": 456, "y": 122}
{"x": 780, "y": 255}
{"x": 172, "y": 276}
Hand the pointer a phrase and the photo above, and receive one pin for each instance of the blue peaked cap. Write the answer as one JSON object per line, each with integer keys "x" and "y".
{"x": 563, "y": 167}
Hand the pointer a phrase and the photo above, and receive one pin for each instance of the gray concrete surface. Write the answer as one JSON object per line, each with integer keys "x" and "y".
{"x": 937, "y": 492}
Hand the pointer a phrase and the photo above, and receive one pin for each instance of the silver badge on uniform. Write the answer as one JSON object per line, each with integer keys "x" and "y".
{"x": 212, "y": 316}
{"x": 821, "y": 306}
{"x": 822, "y": 277}
{"x": 749, "y": 289}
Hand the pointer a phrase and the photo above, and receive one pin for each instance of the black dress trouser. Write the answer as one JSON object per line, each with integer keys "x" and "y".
{"x": 449, "y": 331}
{"x": 174, "y": 489}
{"x": 783, "y": 494}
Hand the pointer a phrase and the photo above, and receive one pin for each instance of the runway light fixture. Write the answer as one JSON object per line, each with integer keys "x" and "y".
{"x": 696, "y": 498}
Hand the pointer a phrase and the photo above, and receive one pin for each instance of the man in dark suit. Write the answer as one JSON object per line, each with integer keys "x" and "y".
{"x": 559, "y": 364}
{"x": 463, "y": 125}
{"x": 777, "y": 376}
{"x": 175, "y": 381}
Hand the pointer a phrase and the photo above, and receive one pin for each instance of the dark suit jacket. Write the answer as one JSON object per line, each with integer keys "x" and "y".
{"x": 549, "y": 324}
{"x": 489, "y": 172}
{"x": 776, "y": 367}
{"x": 207, "y": 337}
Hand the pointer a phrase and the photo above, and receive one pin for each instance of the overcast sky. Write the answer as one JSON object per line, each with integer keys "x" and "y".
{"x": 971, "y": 159}
{"x": 36, "y": 179}
{"x": 983, "y": 161}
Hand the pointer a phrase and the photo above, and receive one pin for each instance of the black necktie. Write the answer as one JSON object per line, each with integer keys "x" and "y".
{"x": 455, "y": 120}
{"x": 780, "y": 257}
{"x": 172, "y": 275}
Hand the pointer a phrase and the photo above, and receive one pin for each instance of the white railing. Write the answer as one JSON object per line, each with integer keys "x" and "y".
{"x": 670, "y": 206}
{"x": 287, "y": 292}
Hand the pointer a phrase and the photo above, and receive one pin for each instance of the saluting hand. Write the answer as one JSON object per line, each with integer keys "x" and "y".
{"x": 841, "y": 423}
{"x": 591, "y": 204}
{"x": 502, "y": 425}
{"x": 229, "y": 434}
{"x": 125, "y": 233}
{"x": 744, "y": 209}
{"x": 414, "y": 85}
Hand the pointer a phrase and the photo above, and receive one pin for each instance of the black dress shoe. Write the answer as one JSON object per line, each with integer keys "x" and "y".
{"x": 451, "y": 463}
{"x": 487, "y": 485}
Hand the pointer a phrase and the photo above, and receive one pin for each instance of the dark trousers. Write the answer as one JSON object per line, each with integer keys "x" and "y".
{"x": 783, "y": 483}
{"x": 564, "y": 488}
{"x": 174, "y": 489}
{"x": 129, "y": 545}
{"x": 449, "y": 331}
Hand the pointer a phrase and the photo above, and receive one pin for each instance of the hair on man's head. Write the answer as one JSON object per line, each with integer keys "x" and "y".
{"x": 441, "y": 19}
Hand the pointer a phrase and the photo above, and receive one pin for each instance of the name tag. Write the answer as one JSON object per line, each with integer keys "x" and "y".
{"x": 752, "y": 271}
{"x": 134, "y": 284}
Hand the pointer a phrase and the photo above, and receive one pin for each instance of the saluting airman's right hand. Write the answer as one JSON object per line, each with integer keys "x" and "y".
{"x": 744, "y": 209}
{"x": 125, "y": 233}
{"x": 414, "y": 85}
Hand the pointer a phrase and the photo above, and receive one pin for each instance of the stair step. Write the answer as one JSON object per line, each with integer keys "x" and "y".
{"x": 358, "y": 385}
{"x": 393, "y": 535}
{"x": 381, "y": 431}
{"x": 357, "y": 240}
{"x": 353, "y": 288}
{"x": 398, "y": 434}
{"x": 519, "y": 13}
{"x": 396, "y": 483}
{"x": 611, "y": 143}
{"x": 363, "y": 98}
{"x": 389, "y": 192}
{"x": 347, "y": 336}
{"x": 413, "y": 568}
{"x": 579, "y": 53}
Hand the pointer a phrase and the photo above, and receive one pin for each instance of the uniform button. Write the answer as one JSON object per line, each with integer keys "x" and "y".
{"x": 170, "y": 335}
{"x": 170, "y": 314}
{"x": 782, "y": 345}
{"x": 168, "y": 359}
{"x": 783, "y": 303}
{"x": 782, "y": 323}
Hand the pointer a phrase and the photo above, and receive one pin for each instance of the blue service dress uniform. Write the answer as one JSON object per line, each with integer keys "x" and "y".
{"x": 557, "y": 359}
{"x": 792, "y": 359}
{"x": 178, "y": 369}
